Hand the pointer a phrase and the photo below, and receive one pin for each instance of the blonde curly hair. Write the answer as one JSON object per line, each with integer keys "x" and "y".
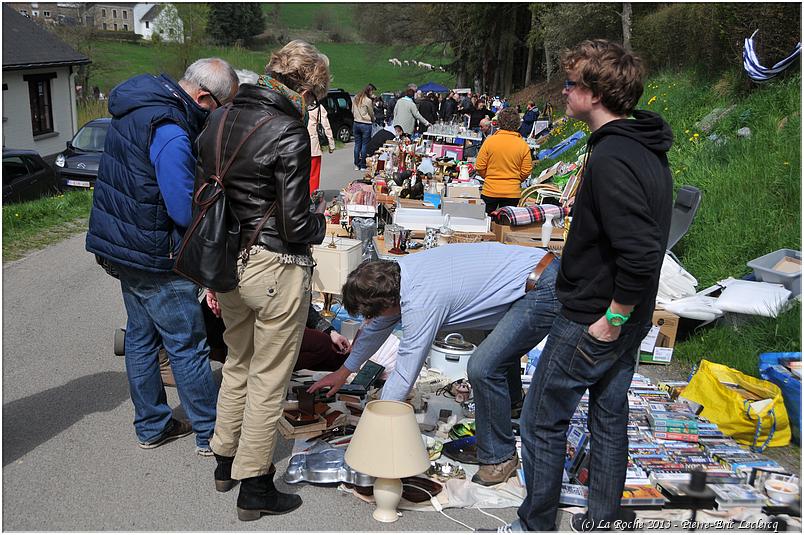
{"x": 300, "y": 66}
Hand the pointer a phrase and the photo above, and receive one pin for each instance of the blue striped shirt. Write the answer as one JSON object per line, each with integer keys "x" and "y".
{"x": 461, "y": 286}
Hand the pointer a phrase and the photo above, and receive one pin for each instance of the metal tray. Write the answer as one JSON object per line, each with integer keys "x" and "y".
{"x": 324, "y": 466}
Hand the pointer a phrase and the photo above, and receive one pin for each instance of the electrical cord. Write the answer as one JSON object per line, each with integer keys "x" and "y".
{"x": 437, "y": 505}
{"x": 491, "y": 515}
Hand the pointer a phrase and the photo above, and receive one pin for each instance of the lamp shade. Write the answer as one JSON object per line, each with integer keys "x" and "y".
{"x": 387, "y": 442}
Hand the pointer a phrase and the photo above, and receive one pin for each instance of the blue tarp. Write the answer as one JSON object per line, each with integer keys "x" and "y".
{"x": 770, "y": 369}
{"x": 562, "y": 147}
{"x": 434, "y": 87}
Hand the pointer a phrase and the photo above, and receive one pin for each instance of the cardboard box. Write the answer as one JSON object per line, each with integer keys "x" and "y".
{"x": 657, "y": 347}
{"x": 414, "y": 203}
{"x": 463, "y": 191}
{"x": 534, "y": 229}
{"x": 533, "y": 240}
{"x": 474, "y": 208}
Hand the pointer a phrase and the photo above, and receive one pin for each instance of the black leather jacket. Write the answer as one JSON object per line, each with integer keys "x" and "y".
{"x": 273, "y": 165}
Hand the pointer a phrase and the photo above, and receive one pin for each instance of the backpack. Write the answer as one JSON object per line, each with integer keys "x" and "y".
{"x": 209, "y": 252}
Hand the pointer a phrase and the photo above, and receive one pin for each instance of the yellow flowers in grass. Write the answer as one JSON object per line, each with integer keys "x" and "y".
{"x": 652, "y": 100}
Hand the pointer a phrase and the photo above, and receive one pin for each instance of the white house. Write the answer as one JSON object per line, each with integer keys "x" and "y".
{"x": 161, "y": 18}
{"x": 39, "y": 70}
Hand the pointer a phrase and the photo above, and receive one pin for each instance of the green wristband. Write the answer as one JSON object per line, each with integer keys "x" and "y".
{"x": 616, "y": 320}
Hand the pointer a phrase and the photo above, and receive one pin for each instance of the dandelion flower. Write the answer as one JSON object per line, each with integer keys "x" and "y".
{"x": 652, "y": 100}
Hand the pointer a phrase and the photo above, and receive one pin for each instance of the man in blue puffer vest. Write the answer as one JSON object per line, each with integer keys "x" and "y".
{"x": 141, "y": 207}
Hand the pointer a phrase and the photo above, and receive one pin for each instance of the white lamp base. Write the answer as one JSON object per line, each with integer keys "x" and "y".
{"x": 387, "y": 493}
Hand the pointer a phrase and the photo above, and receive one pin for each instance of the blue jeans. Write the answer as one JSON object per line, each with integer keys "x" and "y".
{"x": 163, "y": 310}
{"x": 362, "y": 133}
{"x": 493, "y": 368}
{"x": 571, "y": 362}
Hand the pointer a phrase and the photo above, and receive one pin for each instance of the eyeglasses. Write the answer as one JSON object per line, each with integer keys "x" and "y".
{"x": 211, "y": 94}
{"x": 569, "y": 84}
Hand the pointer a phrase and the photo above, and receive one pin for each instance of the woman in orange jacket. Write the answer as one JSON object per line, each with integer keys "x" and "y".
{"x": 504, "y": 161}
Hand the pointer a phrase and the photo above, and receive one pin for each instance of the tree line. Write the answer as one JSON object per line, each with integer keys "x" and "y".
{"x": 500, "y": 47}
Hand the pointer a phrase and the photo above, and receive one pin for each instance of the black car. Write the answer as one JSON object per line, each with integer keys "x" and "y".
{"x": 26, "y": 176}
{"x": 77, "y": 167}
{"x": 338, "y": 104}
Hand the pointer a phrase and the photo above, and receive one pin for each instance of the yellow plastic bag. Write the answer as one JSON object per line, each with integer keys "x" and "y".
{"x": 758, "y": 424}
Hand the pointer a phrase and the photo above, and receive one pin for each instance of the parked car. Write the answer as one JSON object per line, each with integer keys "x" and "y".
{"x": 26, "y": 176}
{"x": 387, "y": 97}
{"x": 77, "y": 167}
{"x": 338, "y": 104}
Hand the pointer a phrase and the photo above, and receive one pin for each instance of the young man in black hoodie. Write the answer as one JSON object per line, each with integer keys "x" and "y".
{"x": 606, "y": 285}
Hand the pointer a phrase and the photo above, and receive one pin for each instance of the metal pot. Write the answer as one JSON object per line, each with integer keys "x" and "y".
{"x": 450, "y": 355}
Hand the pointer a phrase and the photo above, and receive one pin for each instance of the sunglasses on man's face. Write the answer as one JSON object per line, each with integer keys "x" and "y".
{"x": 211, "y": 94}
{"x": 569, "y": 84}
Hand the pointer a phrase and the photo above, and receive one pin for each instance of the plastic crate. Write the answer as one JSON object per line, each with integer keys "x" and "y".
{"x": 764, "y": 272}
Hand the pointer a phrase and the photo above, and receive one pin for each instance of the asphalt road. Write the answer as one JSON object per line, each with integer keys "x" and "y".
{"x": 70, "y": 457}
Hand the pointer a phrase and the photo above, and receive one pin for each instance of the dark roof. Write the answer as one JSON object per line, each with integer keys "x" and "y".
{"x": 152, "y": 13}
{"x": 26, "y": 45}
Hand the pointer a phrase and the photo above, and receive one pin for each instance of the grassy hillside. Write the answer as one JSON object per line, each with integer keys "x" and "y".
{"x": 352, "y": 65}
{"x": 751, "y": 195}
{"x": 308, "y": 15}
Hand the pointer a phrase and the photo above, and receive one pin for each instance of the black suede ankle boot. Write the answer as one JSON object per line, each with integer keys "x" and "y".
{"x": 223, "y": 474}
{"x": 258, "y": 496}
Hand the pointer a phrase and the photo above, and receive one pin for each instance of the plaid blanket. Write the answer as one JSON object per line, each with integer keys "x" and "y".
{"x": 517, "y": 216}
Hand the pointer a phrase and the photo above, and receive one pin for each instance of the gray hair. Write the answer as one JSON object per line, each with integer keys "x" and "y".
{"x": 246, "y": 76}
{"x": 214, "y": 75}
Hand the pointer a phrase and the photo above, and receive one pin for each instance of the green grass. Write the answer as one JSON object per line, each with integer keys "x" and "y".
{"x": 305, "y": 15}
{"x": 751, "y": 188}
{"x": 355, "y": 65}
{"x": 739, "y": 346}
{"x": 352, "y": 65}
{"x": 35, "y": 224}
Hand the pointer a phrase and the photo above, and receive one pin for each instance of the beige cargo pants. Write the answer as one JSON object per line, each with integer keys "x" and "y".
{"x": 265, "y": 318}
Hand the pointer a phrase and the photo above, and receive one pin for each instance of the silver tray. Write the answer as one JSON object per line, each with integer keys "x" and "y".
{"x": 324, "y": 466}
